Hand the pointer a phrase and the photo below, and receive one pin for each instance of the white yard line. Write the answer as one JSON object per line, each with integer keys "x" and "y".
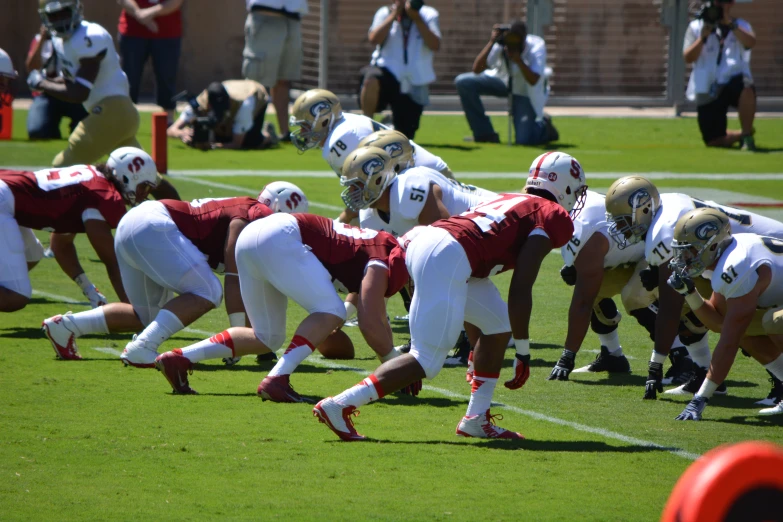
{"x": 62, "y": 298}
{"x": 106, "y": 349}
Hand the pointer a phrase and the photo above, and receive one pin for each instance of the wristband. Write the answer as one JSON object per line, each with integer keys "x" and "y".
{"x": 694, "y": 300}
{"x": 350, "y": 310}
{"x": 237, "y": 320}
{"x": 523, "y": 346}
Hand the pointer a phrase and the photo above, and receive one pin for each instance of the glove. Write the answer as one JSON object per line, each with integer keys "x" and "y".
{"x": 682, "y": 284}
{"x": 694, "y": 409}
{"x": 568, "y": 274}
{"x": 412, "y": 389}
{"x": 521, "y": 372}
{"x": 231, "y": 361}
{"x": 95, "y": 296}
{"x": 649, "y": 277}
{"x": 654, "y": 381}
{"x": 563, "y": 367}
{"x": 34, "y": 79}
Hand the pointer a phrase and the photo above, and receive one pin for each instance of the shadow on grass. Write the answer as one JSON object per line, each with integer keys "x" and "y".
{"x": 752, "y": 419}
{"x": 449, "y": 146}
{"x": 614, "y": 379}
{"x": 254, "y": 367}
{"x": 718, "y": 401}
{"x": 47, "y": 301}
{"x": 35, "y": 332}
{"x": 560, "y": 446}
{"x": 767, "y": 150}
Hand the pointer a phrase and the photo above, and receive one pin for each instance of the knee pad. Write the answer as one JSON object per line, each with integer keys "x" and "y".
{"x": 646, "y": 318}
{"x": 690, "y": 326}
{"x": 605, "y": 317}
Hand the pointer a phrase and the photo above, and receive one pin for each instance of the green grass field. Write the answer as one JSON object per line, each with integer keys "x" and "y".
{"x": 93, "y": 440}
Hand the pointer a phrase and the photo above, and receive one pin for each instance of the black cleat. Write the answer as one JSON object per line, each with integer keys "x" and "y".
{"x": 606, "y": 362}
{"x": 461, "y": 352}
{"x": 775, "y": 394}
{"x": 681, "y": 369}
{"x": 264, "y": 358}
{"x": 693, "y": 385}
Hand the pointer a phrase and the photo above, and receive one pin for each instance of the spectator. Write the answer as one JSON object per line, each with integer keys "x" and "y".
{"x": 151, "y": 28}
{"x": 227, "y": 115}
{"x": 525, "y": 54}
{"x": 405, "y": 35}
{"x": 721, "y": 77}
{"x": 273, "y": 50}
{"x": 43, "y": 118}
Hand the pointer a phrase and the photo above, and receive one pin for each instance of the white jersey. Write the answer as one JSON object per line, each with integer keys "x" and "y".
{"x": 735, "y": 274}
{"x": 658, "y": 243}
{"x": 88, "y": 41}
{"x": 353, "y": 128}
{"x": 408, "y": 194}
{"x": 592, "y": 220}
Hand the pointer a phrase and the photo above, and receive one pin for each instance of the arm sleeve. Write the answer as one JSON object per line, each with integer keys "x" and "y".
{"x": 538, "y": 58}
{"x": 380, "y": 16}
{"x": 92, "y": 213}
{"x": 433, "y": 21}
{"x": 745, "y": 25}
{"x": 243, "y": 120}
{"x": 691, "y": 35}
{"x": 741, "y": 286}
{"x": 495, "y": 56}
{"x": 558, "y": 227}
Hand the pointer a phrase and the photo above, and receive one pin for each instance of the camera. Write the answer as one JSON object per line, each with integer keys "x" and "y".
{"x": 711, "y": 12}
{"x": 503, "y": 29}
{"x": 416, "y": 4}
{"x": 509, "y": 37}
{"x": 202, "y": 125}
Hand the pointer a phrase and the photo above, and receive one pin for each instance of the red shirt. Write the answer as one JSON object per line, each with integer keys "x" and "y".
{"x": 169, "y": 26}
{"x": 345, "y": 251}
{"x": 493, "y": 232}
{"x": 55, "y": 199}
{"x": 205, "y": 221}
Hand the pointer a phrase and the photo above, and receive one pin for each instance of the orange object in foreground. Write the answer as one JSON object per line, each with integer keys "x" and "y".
{"x": 6, "y": 121}
{"x": 159, "y": 141}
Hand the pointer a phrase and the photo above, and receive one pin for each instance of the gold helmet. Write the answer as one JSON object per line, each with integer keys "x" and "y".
{"x": 61, "y": 17}
{"x": 395, "y": 143}
{"x": 367, "y": 172}
{"x": 314, "y": 113}
{"x": 631, "y": 204}
{"x": 700, "y": 237}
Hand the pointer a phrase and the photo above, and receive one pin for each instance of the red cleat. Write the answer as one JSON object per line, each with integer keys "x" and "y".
{"x": 338, "y": 418}
{"x": 176, "y": 368}
{"x": 278, "y": 389}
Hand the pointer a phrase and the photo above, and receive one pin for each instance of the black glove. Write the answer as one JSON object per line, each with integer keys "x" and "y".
{"x": 563, "y": 367}
{"x": 649, "y": 277}
{"x": 682, "y": 284}
{"x": 654, "y": 381}
{"x": 568, "y": 273}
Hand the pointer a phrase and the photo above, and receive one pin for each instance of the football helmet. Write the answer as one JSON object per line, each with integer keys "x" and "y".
{"x": 367, "y": 172}
{"x": 631, "y": 205}
{"x": 314, "y": 113}
{"x": 700, "y": 237}
{"x": 61, "y": 17}
{"x": 135, "y": 170}
{"x": 395, "y": 143}
{"x": 8, "y": 79}
{"x": 282, "y": 196}
{"x": 562, "y": 176}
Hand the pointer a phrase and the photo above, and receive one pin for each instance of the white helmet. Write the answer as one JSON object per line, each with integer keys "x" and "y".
{"x": 8, "y": 78}
{"x": 135, "y": 170}
{"x": 562, "y": 176}
{"x": 282, "y": 196}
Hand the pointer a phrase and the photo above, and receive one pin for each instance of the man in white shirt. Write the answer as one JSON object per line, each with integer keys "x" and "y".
{"x": 405, "y": 34}
{"x": 721, "y": 77}
{"x": 525, "y": 55}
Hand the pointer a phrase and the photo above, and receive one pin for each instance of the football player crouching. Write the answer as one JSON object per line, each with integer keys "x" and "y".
{"x": 308, "y": 259}
{"x": 166, "y": 247}
{"x": 451, "y": 262}
{"x": 639, "y": 213}
{"x": 747, "y": 292}
{"x": 87, "y": 199}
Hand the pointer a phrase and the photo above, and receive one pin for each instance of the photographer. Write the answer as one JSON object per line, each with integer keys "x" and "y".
{"x": 717, "y": 45}
{"x": 509, "y": 47}
{"x": 405, "y": 34}
{"x": 227, "y": 115}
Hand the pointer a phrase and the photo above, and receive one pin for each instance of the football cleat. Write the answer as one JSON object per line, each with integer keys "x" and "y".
{"x": 775, "y": 394}
{"x": 264, "y": 358}
{"x": 176, "y": 368}
{"x": 681, "y": 369}
{"x": 692, "y": 386}
{"x": 694, "y": 409}
{"x": 404, "y": 348}
{"x": 139, "y": 354}
{"x": 278, "y": 389}
{"x": 231, "y": 361}
{"x": 338, "y": 418}
{"x": 351, "y": 323}
{"x": 402, "y": 318}
{"x": 461, "y": 352}
{"x": 606, "y": 362}
{"x": 776, "y": 410}
{"x": 484, "y": 427}
{"x": 63, "y": 340}
{"x": 470, "y": 370}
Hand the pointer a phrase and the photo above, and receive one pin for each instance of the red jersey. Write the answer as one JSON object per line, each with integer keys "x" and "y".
{"x": 345, "y": 251}
{"x": 56, "y": 199}
{"x": 492, "y": 233}
{"x": 169, "y": 26}
{"x": 205, "y": 221}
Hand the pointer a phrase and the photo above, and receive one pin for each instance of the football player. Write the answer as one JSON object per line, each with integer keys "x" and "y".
{"x": 82, "y": 198}
{"x": 166, "y": 247}
{"x": 638, "y": 213}
{"x": 309, "y": 259}
{"x": 747, "y": 291}
{"x": 450, "y": 263}
{"x": 8, "y": 79}
{"x": 91, "y": 75}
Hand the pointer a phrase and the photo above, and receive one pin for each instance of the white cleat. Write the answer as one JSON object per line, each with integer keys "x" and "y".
{"x": 777, "y": 410}
{"x": 139, "y": 354}
{"x": 63, "y": 339}
{"x": 484, "y": 427}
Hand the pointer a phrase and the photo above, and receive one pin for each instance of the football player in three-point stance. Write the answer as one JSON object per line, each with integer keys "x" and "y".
{"x": 450, "y": 262}
{"x": 82, "y": 198}
{"x": 165, "y": 247}
{"x": 638, "y": 213}
{"x": 747, "y": 292}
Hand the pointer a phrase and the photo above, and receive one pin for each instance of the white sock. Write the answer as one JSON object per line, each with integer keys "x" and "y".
{"x": 216, "y": 347}
{"x": 707, "y": 389}
{"x": 677, "y": 343}
{"x": 363, "y": 393}
{"x": 658, "y": 357}
{"x": 161, "y": 328}
{"x": 481, "y": 392}
{"x": 299, "y": 350}
{"x": 612, "y": 343}
{"x": 700, "y": 352}
{"x": 89, "y": 322}
{"x": 776, "y": 367}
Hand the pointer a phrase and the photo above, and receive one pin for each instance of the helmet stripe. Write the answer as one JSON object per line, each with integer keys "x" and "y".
{"x": 540, "y": 162}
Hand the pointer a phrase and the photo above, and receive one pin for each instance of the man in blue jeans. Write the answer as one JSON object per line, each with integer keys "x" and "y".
{"x": 525, "y": 54}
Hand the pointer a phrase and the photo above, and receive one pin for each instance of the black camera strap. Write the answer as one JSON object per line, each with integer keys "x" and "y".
{"x": 406, "y": 24}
